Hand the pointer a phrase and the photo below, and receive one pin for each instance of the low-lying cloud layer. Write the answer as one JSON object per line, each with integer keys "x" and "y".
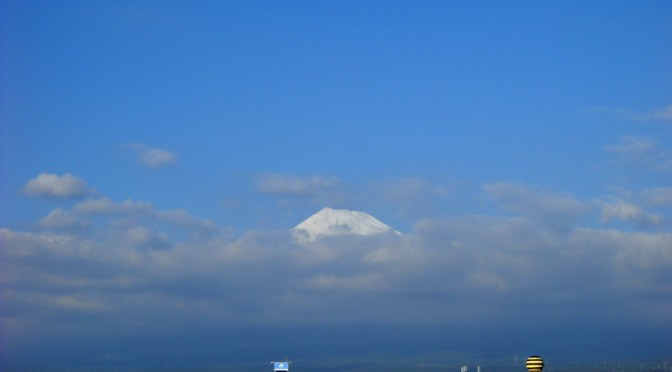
{"x": 107, "y": 267}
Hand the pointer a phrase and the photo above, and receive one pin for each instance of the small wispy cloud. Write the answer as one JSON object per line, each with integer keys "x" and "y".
{"x": 663, "y": 114}
{"x": 154, "y": 158}
{"x": 410, "y": 196}
{"x": 105, "y": 206}
{"x": 642, "y": 152}
{"x": 49, "y": 185}
{"x": 535, "y": 201}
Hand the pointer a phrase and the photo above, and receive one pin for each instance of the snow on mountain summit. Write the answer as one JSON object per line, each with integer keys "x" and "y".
{"x": 332, "y": 222}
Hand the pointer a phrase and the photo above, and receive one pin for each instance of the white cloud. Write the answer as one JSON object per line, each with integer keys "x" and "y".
{"x": 180, "y": 217}
{"x": 142, "y": 211}
{"x": 153, "y": 158}
{"x": 61, "y": 219}
{"x": 642, "y": 152}
{"x": 661, "y": 196}
{"x": 128, "y": 223}
{"x": 635, "y": 256}
{"x": 558, "y": 209}
{"x": 410, "y": 196}
{"x": 633, "y": 146}
{"x": 142, "y": 236}
{"x": 292, "y": 190}
{"x": 44, "y": 245}
{"x": 54, "y": 186}
{"x": 618, "y": 209}
{"x": 156, "y": 158}
{"x": 662, "y": 114}
{"x": 107, "y": 206}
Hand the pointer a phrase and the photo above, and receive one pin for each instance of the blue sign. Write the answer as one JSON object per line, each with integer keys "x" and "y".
{"x": 281, "y": 366}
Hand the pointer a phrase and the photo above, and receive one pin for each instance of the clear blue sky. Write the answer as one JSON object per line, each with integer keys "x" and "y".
{"x": 174, "y": 131}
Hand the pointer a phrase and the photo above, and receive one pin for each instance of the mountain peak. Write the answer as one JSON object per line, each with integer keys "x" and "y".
{"x": 332, "y": 222}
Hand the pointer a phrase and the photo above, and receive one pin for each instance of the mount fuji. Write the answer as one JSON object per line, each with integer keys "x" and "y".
{"x": 334, "y": 222}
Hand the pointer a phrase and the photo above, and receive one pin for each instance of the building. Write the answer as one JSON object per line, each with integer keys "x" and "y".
{"x": 281, "y": 366}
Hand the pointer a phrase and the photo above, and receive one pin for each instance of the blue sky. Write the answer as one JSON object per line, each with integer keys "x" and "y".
{"x": 151, "y": 138}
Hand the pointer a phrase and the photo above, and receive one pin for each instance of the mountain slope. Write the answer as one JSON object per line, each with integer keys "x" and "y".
{"x": 333, "y": 222}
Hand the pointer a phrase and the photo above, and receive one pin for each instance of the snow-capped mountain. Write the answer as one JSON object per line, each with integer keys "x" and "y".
{"x": 332, "y": 222}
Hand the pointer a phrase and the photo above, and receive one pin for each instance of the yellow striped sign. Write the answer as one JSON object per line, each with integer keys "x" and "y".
{"x": 535, "y": 363}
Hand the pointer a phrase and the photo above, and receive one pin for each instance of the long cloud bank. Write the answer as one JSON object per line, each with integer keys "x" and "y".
{"x": 104, "y": 268}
